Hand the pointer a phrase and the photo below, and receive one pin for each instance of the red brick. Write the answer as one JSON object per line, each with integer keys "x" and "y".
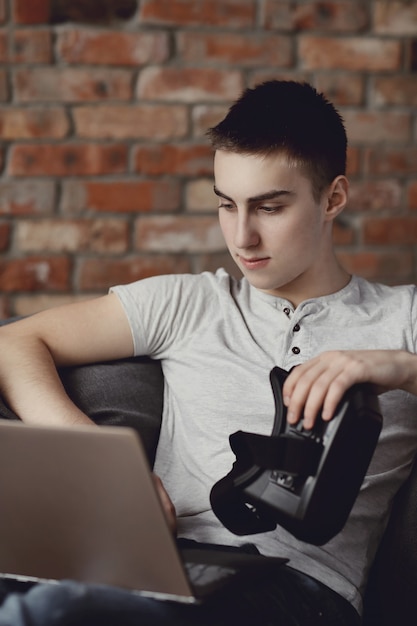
{"x": 100, "y": 274}
{"x": 390, "y": 161}
{"x": 46, "y": 84}
{"x": 342, "y": 16}
{"x": 395, "y": 90}
{"x": 376, "y": 126}
{"x": 225, "y": 14}
{"x": 27, "y": 197}
{"x": 390, "y": 230}
{"x": 121, "y": 196}
{"x": 341, "y": 89}
{"x": 391, "y": 266}
{"x": 412, "y": 196}
{"x": 199, "y": 196}
{"x": 24, "y": 123}
{"x": 353, "y": 161}
{"x": 395, "y": 18}
{"x": 2, "y": 10}
{"x": 59, "y": 235}
{"x": 131, "y": 122}
{"x": 5, "y": 309}
{"x": 113, "y": 47}
{"x": 4, "y": 87}
{"x": 93, "y": 11}
{"x": 35, "y": 273}
{"x": 31, "y": 11}
{"x": 5, "y": 230}
{"x": 4, "y": 55}
{"x": 257, "y": 76}
{"x": 343, "y": 233}
{"x": 178, "y": 234}
{"x": 211, "y": 262}
{"x": 31, "y": 46}
{"x": 205, "y": 116}
{"x": 178, "y": 159}
{"x": 375, "y": 195}
{"x": 246, "y": 49}
{"x": 189, "y": 84}
{"x": 67, "y": 160}
{"x": 349, "y": 53}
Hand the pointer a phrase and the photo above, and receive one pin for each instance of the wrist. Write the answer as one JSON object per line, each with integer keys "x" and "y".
{"x": 408, "y": 365}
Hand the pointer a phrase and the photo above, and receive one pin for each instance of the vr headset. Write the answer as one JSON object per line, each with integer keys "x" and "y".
{"x": 304, "y": 480}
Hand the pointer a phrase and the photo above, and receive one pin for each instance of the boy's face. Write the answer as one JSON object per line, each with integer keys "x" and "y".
{"x": 276, "y": 232}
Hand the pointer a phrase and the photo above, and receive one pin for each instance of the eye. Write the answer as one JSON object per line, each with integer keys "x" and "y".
{"x": 270, "y": 209}
{"x": 227, "y": 206}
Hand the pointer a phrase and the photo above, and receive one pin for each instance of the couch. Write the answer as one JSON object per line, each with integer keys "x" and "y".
{"x": 130, "y": 392}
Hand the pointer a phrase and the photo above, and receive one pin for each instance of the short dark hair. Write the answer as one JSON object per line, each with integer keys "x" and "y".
{"x": 291, "y": 118}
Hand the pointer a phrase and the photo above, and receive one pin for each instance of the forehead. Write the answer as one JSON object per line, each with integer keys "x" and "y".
{"x": 242, "y": 176}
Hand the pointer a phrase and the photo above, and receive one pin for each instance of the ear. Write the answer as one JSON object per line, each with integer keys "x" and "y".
{"x": 336, "y": 197}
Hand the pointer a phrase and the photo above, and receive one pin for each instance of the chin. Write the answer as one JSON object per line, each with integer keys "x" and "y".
{"x": 262, "y": 285}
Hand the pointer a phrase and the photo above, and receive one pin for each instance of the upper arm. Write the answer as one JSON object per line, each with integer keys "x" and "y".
{"x": 84, "y": 332}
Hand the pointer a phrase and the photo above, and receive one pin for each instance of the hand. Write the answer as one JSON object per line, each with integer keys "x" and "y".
{"x": 167, "y": 504}
{"x": 322, "y": 381}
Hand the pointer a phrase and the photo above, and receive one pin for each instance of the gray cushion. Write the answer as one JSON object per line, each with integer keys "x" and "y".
{"x": 391, "y": 595}
{"x": 128, "y": 392}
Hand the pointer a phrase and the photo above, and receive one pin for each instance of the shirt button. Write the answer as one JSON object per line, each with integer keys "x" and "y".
{"x": 287, "y": 311}
{"x": 296, "y": 328}
{"x": 296, "y": 350}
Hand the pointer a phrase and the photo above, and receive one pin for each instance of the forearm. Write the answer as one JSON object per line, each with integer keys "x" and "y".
{"x": 318, "y": 384}
{"x": 407, "y": 363}
{"x": 30, "y": 384}
{"x": 31, "y": 350}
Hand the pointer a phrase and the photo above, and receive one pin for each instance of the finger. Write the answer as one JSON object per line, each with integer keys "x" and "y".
{"x": 329, "y": 389}
{"x": 311, "y": 386}
{"x": 167, "y": 503}
{"x": 303, "y": 393}
{"x": 318, "y": 399}
{"x": 292, "y": 380}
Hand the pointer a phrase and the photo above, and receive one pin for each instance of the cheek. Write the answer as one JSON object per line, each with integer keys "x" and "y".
{"x": 291, "y": 230}
{"x": 306, "y": 228}
{"x": 225, "y": 225}
{"x": 296, "y": 238}
{"x": 226, "y": 216}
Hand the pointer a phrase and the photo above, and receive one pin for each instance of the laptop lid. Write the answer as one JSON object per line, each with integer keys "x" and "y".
{"x": 80, "y": 503}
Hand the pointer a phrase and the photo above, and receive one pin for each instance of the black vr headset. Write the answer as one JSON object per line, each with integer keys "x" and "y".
{"x": 304, "y": 480}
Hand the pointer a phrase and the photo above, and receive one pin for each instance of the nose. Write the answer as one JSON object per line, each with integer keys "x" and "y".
{"x": 246, "y": 234}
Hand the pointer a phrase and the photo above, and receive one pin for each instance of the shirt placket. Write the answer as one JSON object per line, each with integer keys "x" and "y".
{"x": 296, "y": 345}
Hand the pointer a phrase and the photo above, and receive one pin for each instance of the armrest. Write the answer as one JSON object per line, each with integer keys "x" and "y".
{"x": 127, "y": 392}
{"x": 391, "y": 594}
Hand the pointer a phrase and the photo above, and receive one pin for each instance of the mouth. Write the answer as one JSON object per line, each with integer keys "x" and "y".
{"x": 254, "y": 263}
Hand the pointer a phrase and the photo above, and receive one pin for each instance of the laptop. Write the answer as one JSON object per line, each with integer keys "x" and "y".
{"x": 80, "y": 503}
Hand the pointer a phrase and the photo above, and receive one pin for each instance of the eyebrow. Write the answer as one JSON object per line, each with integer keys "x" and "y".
{"x": 269, "y": 195}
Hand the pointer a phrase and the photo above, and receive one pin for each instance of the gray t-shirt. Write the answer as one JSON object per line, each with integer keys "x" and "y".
{"x": 218, "y": 338}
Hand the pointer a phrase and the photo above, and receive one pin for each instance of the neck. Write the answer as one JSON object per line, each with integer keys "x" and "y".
{"x": 320, "y": 282}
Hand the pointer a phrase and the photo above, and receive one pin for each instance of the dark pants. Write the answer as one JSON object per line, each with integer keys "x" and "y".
{"x": 287, "y": 599}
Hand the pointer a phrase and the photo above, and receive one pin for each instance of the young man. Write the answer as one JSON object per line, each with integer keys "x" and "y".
{"x": 280, "y": 180}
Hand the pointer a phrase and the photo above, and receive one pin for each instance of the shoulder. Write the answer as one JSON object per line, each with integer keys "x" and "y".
{"x": 179, "y": 288}
{"x": 219, "y": 280}
{"x": 384, "y": 293}
{"x": 395, "y": 306}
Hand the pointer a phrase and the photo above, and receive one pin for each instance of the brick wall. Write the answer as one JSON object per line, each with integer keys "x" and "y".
{"x": 105, "y": 171}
